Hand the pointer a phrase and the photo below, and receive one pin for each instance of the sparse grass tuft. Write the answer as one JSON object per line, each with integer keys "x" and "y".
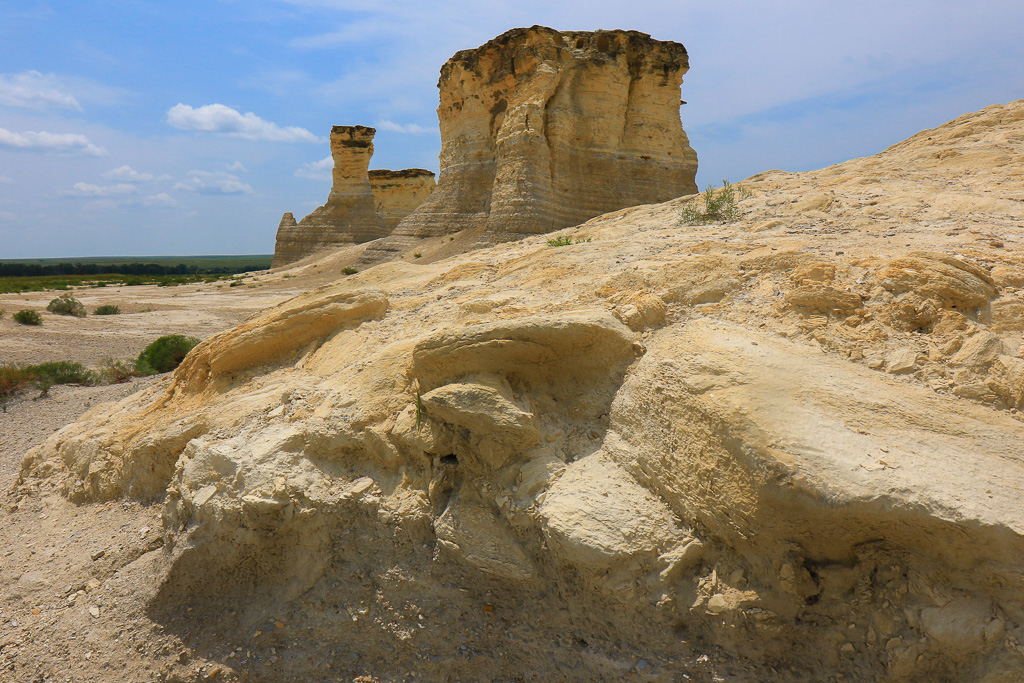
{"x": 349, "y": 270}
{"x": 566, "y": 241}
{"x": 28, "y": 317}
{"x": 66, "y": 304}
{"x": 164, "y": 354}
{"x": 720, "y": 205}
{"x": 107, "y": 309}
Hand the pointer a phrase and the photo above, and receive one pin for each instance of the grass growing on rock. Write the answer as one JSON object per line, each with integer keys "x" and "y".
{"x": 718, "y": 205}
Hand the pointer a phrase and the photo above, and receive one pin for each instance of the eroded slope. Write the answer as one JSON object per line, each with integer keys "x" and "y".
{"x": 785, "y": 448}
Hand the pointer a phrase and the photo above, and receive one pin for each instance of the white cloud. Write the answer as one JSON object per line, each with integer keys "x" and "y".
{"x": 413, "y": 128}
{"x": 316, "y": 170}
{"x": 6, "y": 180}
{"x": 34, "y": 90}
{"x": 126, "y": 172}
{"x": 206, "y": 182}
{"x": 69, "y": 143}
{"x": 236, "y": 167}
{"x": 7, "y": 216}
{"x": 162, "y": 200}
{"x": 89, "y": 190}
{"x": 217, "y": 118}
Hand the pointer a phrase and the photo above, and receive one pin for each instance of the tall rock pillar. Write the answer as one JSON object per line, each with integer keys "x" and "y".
{"x": 544, "y": 129}
{"x": 349, "y": 216}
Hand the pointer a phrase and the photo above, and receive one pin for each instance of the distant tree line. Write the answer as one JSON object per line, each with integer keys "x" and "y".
{"x": 38, "y": 270}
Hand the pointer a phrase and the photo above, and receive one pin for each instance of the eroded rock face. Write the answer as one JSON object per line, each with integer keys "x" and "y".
{"x": 350, "y": 214}
{"x": 544, "y": 129}
{"x": 709, "y": 438}
{"x": 362, "y": 205}
{"x": 398, "y": 193}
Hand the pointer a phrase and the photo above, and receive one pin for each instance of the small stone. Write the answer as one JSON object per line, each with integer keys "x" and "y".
{"x": 143, "y": 531}
{"x": 36, "y": 610}
{"x": 257, "y": 634}
{"x": 95, "y": 612}
{"x": 848, "y": 648}
{"x": 279, "y": 624}
{"x": 98, "y": 554}
{"x": 488, "y": 608}
{"x": 92, "y": 585}
{"x": 901, "y": 361}
{"x": 643, "y": 664}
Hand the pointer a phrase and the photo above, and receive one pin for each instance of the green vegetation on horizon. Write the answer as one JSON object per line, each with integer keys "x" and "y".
{"x": 32, "y": 275}
{"x": 205, "y": 263}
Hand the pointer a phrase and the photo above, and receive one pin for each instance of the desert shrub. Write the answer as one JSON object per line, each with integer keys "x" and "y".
{"x": 118, "y": 371}
{"x": 28, "y": 317}
{"x": 347, "y": 270}
{"x": 164, "y": 354}
{"x": 720, "y": 205}
{"x": 63, "y": 372}
{"x": 66, "y": 304}
{"x": 43, "y": 376}
{"x": 12, "y": 380}
{"x": 107, "y": 309}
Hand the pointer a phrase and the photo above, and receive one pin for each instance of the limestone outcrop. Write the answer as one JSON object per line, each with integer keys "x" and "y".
{"x": 544, "y": 129}
{"x": 792, "y": 442}
{"x": 398, "y": 193}
{"x": 362, "y": 205}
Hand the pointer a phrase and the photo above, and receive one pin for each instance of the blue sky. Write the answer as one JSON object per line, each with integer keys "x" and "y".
{"x": 188, "y": 127}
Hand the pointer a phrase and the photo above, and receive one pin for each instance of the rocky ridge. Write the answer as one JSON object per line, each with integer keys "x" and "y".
{"x": 784, "y": 448}
{"x": 543, "y": 129}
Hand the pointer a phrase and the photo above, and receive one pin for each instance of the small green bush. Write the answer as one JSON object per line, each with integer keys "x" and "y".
{"x": 66, "y": 304}
{"x": 63, "y": 372}
{"x": 347, "y": 270}
{"x": 107, "y": 309}
{"x": 28, "y": 317}
{"x": 164, "y": 354}
{"x": 718, "y": 206}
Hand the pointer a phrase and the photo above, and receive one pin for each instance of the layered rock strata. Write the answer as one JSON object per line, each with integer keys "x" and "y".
{"x": 398, "y": 193}
{"x": 354, "y": 212}
{"x": 544, "y": 129}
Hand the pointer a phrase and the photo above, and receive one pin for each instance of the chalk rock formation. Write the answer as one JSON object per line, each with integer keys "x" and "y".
{"x": 350, "y": 214}
{"x": 398, "y": 193}
{"x": 793, "y": 440}
{"x": 544, "y": 129}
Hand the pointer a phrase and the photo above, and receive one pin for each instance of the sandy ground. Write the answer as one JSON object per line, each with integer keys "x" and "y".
{"x": 72, "y": 578}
